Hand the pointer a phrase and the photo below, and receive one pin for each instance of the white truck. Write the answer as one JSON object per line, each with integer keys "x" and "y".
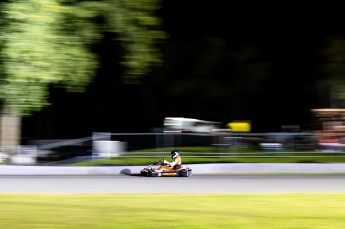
{"x": 180, "y": 124}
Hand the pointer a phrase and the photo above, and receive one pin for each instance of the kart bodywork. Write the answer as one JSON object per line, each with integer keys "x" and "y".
{"x": 151, "y": 171}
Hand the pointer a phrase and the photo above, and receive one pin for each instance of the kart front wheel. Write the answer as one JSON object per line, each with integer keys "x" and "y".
{"x": 185, "y": 173}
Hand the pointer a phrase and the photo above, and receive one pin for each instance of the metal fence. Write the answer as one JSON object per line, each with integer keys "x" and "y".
{"x": 217, "y": 145}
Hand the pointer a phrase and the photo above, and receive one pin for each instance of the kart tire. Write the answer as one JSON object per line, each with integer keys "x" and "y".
{"x": 184, "y": 173}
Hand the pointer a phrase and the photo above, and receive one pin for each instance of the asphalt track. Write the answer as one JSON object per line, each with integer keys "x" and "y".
{"x": 240, "y": 183}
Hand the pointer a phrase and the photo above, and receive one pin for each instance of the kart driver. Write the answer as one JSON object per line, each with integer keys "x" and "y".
{"x": 175, "y": 155}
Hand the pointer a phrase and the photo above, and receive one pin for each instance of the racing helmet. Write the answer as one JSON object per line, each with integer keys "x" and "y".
{"x": 174, "y": 154}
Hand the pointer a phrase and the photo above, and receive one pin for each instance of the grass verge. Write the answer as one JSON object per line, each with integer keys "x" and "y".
{"x": 204, "y": 154}
{"x": 148, "y": 160}
{"x": 242, "y": 211}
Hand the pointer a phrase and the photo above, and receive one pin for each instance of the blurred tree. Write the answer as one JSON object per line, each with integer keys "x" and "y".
{"x": 209, "y": 77}
{"x": 333, "y": 72}
{"x": 138, "y": 31}
{"x": 44, "y": 43}
{"x": 49, "y": 42}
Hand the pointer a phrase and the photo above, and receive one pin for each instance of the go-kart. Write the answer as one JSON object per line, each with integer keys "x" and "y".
{"x": 151, "y": 170}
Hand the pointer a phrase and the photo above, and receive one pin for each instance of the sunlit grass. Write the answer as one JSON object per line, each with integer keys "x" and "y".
{"x": 173, "y": 211}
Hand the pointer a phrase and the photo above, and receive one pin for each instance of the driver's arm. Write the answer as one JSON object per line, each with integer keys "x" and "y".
{"x": 167, "y": 162}
{"x": 175, "y": 162}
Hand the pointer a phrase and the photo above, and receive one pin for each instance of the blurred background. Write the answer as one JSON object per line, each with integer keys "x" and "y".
{"x": 71, "y": 68}
{"x": 261, "y": 62}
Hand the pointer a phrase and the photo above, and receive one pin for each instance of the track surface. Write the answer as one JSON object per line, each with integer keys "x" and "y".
{"x": 262, "y": 183}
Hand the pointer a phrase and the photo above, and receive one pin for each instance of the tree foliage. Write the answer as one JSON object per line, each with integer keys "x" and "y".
{"x": 48, "y": 42}
{"x": 138, "y": 31}
{"x": 333, "y": 70}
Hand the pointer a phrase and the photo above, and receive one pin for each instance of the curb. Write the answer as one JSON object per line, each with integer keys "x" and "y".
{"x": 197, "y": 169}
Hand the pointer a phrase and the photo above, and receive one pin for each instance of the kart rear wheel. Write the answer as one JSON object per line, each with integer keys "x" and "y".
{"x": 153, "y": 174}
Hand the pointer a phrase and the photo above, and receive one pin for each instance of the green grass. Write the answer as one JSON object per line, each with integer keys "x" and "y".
{"x": 148, "y": 160}
{"x": 242, "y": 211}
{"x": 211, "y": 155}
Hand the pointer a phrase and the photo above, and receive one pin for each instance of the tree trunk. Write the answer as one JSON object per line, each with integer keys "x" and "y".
{"x": 10, "y": 130}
